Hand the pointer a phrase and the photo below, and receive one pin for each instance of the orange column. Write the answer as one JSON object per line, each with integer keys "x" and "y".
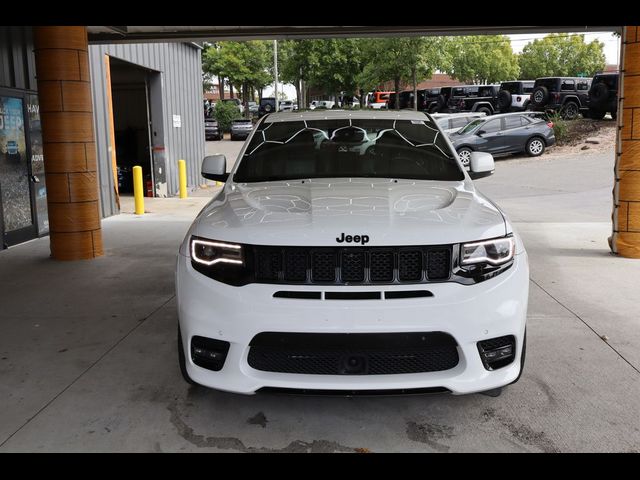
{"x": 66, "y": 113}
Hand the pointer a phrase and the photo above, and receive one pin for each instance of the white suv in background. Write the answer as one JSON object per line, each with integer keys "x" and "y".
{"x": 351, "y": 253}
{"x": 515, "y": 96}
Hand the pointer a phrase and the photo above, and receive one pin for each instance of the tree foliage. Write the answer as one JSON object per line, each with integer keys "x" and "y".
{"x": 482, "y": 59}
{"x": 243, "y": 64}
{"x": 225, "y": 113}
{"x": 561, "y": 55}
{"x": 401, "y": 60}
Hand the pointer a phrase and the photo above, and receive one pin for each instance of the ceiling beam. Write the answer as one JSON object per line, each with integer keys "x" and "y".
{"x": 187, "y": 34}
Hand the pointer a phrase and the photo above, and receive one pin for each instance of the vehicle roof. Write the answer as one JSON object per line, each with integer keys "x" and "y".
{"x": 460, "y": 114}
{"x": 571, "y": 78}
{"x": 511, "y": 114}
{"x": 346, "y": 114}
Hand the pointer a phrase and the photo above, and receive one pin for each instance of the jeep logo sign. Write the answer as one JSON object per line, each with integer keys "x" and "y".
{"x": 362, "y": 239}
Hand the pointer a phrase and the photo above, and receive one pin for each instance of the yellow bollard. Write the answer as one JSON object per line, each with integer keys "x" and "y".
{"x": 138, "y": 193}
{"x": 182, "y": 175}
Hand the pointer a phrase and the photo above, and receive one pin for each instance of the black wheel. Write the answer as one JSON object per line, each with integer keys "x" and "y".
{"x": 535, "y": 147}
{"x": 183, "y": 362}
{"x": 522, "y": 357}
{"x": 570, "y": 111}
{"x": 614, "y": 115}
{"x": 539, "y": 96}
{"x": 485, "y": 110}
{"x": 465, "y": 156}
{"x": 596, "y": 114}
{"x": 504, "y": 100}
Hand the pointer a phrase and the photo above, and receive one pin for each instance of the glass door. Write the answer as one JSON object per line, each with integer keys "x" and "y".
{"x": 15, "y": 176}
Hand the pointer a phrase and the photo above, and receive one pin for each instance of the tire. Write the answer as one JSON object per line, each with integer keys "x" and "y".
{"x": 522, "y": 357}
{"x": 595, "y": 114}
{"x": 570, "y": 111}
{"x": 486, "y": 110}
{"x": 614, "y": 115}
{"x": 599, "y": 94}
{"x": 535, "y": 147}
{"x": 504, "y": 100}
{"x": 539, "y": 96}
{"x": 268, "y": 108}
{"x": 183, "y": 361}
{"x": 465, "y": 154}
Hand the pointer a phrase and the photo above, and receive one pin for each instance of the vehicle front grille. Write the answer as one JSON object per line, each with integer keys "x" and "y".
{"x": 352, "y": 266}
{"x": 353, "y": 354}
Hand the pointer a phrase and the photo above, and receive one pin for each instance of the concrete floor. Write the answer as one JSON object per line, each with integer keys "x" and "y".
{"x": 88, "y": 358}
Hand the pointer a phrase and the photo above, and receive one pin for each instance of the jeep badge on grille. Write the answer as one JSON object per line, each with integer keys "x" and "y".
{"x": 362, "y": 239}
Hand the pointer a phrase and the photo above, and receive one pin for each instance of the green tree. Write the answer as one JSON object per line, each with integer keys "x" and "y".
{"x": 244, "y": 64}
{"x": 482, "y": 59}
{"x": 212, "y": 66}
{"x": 402, "y": 60}
{"x": 561, "y": 55}
{"x": 225, "y": 113}
{"x": 335, "y": 65}
{"x": 297, "y": 64}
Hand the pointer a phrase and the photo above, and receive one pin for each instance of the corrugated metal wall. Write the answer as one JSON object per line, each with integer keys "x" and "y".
{"x": 181, "y": 69}
{"x": 17, "y": 62}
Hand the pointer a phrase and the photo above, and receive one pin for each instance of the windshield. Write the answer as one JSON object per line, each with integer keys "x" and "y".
{"x": 470, "y": 127}
{"x": 381, "y": 148}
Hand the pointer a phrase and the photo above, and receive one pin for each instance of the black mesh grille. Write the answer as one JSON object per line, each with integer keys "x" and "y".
{"x": 353, "y": 354}
{"x": 410, "y": 265}
{"x": 295, "y": 265}
{"x": 268, "y": 264}
{"x": 439, "y": 264}
{"x": 352, "y": 266}
{"x": 381, "y": 266}
{"x": 323, "y": 266}
{"x": 360, "y": 265}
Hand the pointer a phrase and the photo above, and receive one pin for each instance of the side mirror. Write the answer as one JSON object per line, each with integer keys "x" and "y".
{"x": 214, "y": 167}
{"x": 480, "y": 132}
{"x": 481, "y": 164}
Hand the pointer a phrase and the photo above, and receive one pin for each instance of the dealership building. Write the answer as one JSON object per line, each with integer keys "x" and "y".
{"x": 104, "y": 108}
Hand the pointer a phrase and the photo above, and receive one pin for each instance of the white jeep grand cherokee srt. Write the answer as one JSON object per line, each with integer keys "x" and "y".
{"x": 350, "y": 253}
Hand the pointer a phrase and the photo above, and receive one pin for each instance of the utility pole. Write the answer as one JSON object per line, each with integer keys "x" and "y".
{"x": 275, "y": 70}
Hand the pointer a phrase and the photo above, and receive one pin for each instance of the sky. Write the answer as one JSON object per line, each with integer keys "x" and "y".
{"x": 611, "y": 51}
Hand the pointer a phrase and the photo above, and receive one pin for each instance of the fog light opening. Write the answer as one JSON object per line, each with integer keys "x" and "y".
{"x": 497, "y": 352}
{"x": 209, "y": 353}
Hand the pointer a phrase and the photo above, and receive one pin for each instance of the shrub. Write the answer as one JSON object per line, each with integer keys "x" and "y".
{"x": 226, "y": 112}
{"x": 560, "y": 127}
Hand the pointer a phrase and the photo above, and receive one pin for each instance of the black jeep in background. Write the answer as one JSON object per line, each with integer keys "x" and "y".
{"x": 603, "y": 96}
{"x": 567, "y": 95}
{"x": 429, "y": 100}
{"x": 474, "y": 98}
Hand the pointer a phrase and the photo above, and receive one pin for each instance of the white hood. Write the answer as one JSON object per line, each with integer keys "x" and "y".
{"x": 316, "y": 212}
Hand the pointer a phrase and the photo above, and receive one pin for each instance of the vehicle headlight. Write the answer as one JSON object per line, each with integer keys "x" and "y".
{"x": 210, "y": 252}
{"x": 495, "y": 252}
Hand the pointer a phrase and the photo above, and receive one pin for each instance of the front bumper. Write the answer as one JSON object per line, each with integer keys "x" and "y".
{"x": 469, "y": 313}
{"x": 241, "y": 133}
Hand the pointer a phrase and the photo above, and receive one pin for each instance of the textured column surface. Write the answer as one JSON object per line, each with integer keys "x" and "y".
{"x": 66, "y": 113}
